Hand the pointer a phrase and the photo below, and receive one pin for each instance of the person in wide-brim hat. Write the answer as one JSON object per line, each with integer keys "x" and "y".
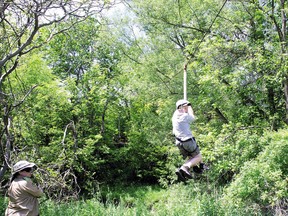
{"x": 23, "y": 193}
{"x": 21, "y": 165}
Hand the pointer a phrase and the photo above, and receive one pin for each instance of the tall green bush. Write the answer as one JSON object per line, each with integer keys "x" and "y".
{"x": 263, "y": 181}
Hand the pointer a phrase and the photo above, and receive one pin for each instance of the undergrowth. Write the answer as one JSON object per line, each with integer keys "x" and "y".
{"x": 178, "y": 200}
{"x": 260, "y": 188}
{"x": 197, "y": 198}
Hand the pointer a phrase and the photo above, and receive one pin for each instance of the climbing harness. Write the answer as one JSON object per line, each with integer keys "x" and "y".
{"x": 190, "y": 139}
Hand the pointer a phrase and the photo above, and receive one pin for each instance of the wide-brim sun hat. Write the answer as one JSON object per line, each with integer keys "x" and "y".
{"x": 23, "y": 164}
{"x": 182, "y": 102}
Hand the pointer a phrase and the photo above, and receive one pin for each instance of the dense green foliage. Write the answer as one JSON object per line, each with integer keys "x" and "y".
{"x": 103, "y": 96}
{"x": 263, "y": 180}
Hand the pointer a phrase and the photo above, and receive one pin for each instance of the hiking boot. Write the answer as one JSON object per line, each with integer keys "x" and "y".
{"x": 203, "y": 166}
{"x": 180, "y": 176}
{"x": 185, "y": 172}
{"x": 197, "y": 170}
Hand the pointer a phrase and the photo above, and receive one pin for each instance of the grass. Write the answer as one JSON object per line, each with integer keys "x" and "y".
{"x": 177, "y": 200}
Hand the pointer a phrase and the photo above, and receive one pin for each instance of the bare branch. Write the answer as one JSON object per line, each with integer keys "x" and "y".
{"x": 13, "y": 67}
{"x": 26, "y": 95}
{"x": 72, "y": 126}
{"x": 24, "y": 19}
{"x": 65, "y": 132}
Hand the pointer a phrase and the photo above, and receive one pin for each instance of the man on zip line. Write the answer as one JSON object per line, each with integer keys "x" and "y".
{"x": 186, "y": 143}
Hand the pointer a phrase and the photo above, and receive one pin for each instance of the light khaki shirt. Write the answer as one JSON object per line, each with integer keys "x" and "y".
{"x": 23, "y": 198}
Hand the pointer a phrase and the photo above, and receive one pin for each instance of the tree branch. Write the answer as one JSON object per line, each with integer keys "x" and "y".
{"x": 26, "y": 95}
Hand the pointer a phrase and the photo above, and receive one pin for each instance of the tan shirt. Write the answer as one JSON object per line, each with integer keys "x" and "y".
{"x": 23, "y": 198}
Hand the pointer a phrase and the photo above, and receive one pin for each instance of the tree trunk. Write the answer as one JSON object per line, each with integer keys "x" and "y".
{"x": 282, "y": 34}
{"x": 286, "y": 99}
{"x": 283, "y": 41}
{"x": 9, "y": 142}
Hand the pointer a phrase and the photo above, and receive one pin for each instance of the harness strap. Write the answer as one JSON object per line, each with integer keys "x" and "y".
{"x": 190, "y": 139}
{"x": 184, "y": 140}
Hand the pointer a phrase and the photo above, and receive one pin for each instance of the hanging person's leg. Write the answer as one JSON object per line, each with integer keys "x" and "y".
{"x": 184, "y": 154}
{"x": 191, "y": 162}
{"x": 190, "y": 149}
{"x": 202, "y": 166}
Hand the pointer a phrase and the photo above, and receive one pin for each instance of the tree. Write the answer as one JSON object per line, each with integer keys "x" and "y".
{"x": 22, "y": 25}
{"x": 232, "y": 50}
{"x": 235, "y": 72}
{"x": 281, "y": 27}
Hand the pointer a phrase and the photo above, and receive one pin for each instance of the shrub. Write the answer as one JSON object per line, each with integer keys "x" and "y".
{"x": 3, "y": 204}
{"x": 263, "y": 181}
